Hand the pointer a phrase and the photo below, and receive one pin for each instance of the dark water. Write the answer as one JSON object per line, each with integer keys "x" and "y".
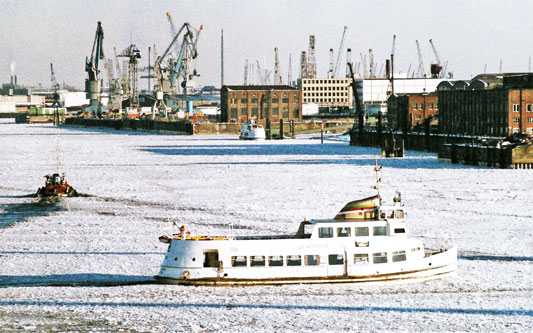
{"x": 13, "y": 213}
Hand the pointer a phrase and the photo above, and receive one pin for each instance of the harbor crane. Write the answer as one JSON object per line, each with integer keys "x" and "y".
{"x": 93, "y": 84}
{"x": 337, "y": 64}
{"x": 132, "y": 54}
{"x": 421, "y": 72}
{"x": 55, "y": 87}
{"x": 436, "y": 68}
{"x": 170, "y": 70}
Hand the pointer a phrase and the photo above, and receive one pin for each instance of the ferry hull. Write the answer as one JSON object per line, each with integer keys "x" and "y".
{"x": 434, "y": 266}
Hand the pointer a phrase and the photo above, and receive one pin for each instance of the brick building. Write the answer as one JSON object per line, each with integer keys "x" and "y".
{"x": 497, "y": 105}
{"x": 408, "y": 111}
{"x": 241, "y": 103}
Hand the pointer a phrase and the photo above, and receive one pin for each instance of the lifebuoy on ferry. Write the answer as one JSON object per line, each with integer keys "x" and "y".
{"x": 186, "y": 275}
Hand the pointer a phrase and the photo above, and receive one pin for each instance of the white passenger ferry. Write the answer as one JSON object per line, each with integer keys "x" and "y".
{"x": 365, "y": 242}
{"x": 251, "y": 130}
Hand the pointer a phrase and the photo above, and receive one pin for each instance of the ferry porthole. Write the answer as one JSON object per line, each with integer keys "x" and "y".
{"x": 193, "y": 259}
{"x": 429, "y": 264}
{"x": 175, "y": 258}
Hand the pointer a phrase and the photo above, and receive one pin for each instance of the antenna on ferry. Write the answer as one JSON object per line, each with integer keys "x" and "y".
{"x": 377, "y": 170}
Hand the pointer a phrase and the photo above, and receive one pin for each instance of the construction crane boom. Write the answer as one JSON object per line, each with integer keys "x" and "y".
{"x": 435, "y": 52}
{"x": 97, "y": 53}
{"x": 337, "y": 64}
{"x": 421, "y": 72}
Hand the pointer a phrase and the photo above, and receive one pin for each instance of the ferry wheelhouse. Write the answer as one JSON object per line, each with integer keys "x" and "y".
{"x": 365, "y": 242}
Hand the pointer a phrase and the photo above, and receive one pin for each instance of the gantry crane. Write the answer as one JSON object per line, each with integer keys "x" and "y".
{"x": 132, "y": 54}
{"x": 93, "y": 84}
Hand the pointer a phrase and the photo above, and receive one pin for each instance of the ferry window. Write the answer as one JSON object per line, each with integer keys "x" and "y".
{"x": 336, "y": 259}
{"x": 294, "y": 260}
{"x": 211, "y": 259}
{"x": 361, "y": 244}
{"x": 360, "y": 258}
{"x": 238, "y": 261}
{"x": 257, "y": 261}
{"x": 312, "y": 260}
{"x": 398, "y": 256}
{"x": 325, "y": 232}
{"x": 361, "y": 231}
{"x": 390, "y": 214}
{"x": 398, "y": 214}
{"x": 379, "y": 231}
{"x": 343, "y": 232}
{"x": 399, "y": 231}
{"x": 275, "y": 261}
{"x": 379, "y": 257}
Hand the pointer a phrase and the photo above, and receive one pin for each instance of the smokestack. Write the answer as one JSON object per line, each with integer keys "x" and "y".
{"x": 221, "y": 58}
{"x": 15, "y": 80}
{"x": 11, "y": 79}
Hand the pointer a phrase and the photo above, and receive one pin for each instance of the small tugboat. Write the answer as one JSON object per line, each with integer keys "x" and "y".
{"x": 365, "y": 242}
{"x": 56, "y": 185}
{"x": 251, "y": 130}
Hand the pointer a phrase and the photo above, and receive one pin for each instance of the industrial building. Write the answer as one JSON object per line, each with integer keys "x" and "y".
{"x": 488, "y": 105}
{"x": 331, "y": 93}
{"x": 408, "y": 111}
{"x": 241, "y": 103}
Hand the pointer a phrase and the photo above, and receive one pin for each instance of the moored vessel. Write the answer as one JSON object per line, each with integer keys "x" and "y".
{"x": 251, "y": 130}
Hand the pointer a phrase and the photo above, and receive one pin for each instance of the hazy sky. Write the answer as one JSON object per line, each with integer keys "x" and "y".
{"x": 467, "y": 34}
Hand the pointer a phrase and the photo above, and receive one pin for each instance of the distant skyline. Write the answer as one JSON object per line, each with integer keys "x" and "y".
{"x": 467, "y": 34}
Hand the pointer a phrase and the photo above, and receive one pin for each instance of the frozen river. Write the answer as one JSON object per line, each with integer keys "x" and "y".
{"x": 87, "y": 263}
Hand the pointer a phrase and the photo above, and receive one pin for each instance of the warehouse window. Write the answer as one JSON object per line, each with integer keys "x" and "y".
{"x": 254, "y": 112}
{"x": 528, "y": 108}
{"x": 274, "y": 101}
{"x": 244, "y": 100}
{"x": 530, "y": 120}
{"x": 285, "y": 100}
{"x": 275, "y": 111}
{"x": 244, "y": 112}
{"x": 516, "y": 108}
{"x": 233, "y": 113}
{"x": 296, "y": 113}
{"x": 516, "y": 120}
{"x": 254, "y": 100}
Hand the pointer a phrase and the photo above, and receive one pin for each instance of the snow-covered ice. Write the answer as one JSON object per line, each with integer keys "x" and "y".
{"x": 87, "y": 263}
